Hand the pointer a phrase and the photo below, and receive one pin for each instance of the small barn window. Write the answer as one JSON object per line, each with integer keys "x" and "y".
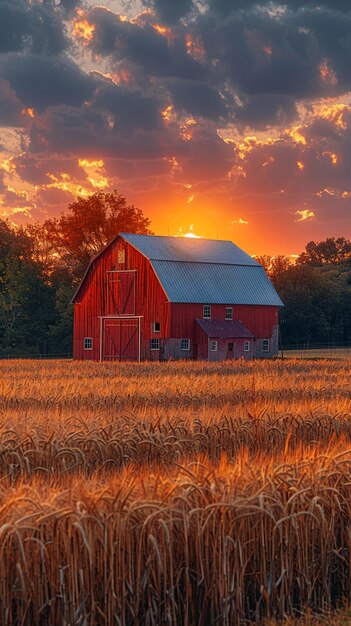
{"x": 157, "y": 327}
{"x": 265, "y": 345}
{"x": 154, "y": 344}
{"x": 246, "y": 346}
{"x": 230, "y": 346}
{"x": 121, "y": 256}
{"x": 88, "y": 343}
{"x": 185, "y": 344}
{"x": 229, "y": 313}
{"x": 207, "y": 312}
{"x": 214, "y": 346}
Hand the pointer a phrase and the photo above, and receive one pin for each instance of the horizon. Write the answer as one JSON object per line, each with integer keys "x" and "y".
{"x": 223, "y": 120}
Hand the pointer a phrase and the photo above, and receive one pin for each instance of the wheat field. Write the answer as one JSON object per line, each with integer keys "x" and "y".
{"x": 174, "y": 493}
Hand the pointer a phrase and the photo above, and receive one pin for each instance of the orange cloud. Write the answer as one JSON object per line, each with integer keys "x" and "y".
{"x": 304, "y": 215}
{"x": 82, "y": 28}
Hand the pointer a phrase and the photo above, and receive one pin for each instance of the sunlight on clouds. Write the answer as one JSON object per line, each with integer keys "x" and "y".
{"x": 194, "y": 47}
{"x": 332, "y": 156}
{"x": 162, "y": 30}
{"x": 82, "y": 28}
{"x": 29, "y": 112}
{"x": 98, "y": 183}
{"x": 240, "y": 221}
{"x": 167, "y": 112}
{"x": 86, "y": 163}
{"x": 327, "y": 74}
{"x": 8, "y": 165}
{"x": 304, "y": 215}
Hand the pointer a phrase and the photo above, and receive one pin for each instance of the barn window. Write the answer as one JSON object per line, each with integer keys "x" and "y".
{"x": 88, "y": 343}
{"x": 157, "y": 327}
{"x": 265, "y": 345}
{"x": 229, "y": 313}
{"x": 246, "y": 346}
{"x": 154, "y": 344}
{"x": 121, "y": 256}
{"x": 185, "y": 344}
{"x": 207, "y": 312}
{"x": 230, "y": 346}
{"x": 214, "y": 346}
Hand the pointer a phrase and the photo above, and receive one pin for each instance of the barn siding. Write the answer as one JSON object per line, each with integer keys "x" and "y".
{"x": 151, "y": 302}
{"x": 177, "y": 320}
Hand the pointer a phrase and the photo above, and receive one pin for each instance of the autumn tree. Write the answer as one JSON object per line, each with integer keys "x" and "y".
{"x": 89, "y": 224}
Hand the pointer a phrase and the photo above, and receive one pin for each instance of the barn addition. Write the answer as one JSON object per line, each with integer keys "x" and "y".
{"x": 158, "y": 298}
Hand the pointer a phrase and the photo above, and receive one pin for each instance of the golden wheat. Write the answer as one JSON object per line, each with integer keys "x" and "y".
{"x": 175, "y": 494}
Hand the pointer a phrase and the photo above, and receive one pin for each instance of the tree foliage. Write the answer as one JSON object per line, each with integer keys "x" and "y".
{"x": 41, "y": 265}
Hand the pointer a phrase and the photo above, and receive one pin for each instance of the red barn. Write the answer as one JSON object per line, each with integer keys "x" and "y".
{"x": 159, "y": 298}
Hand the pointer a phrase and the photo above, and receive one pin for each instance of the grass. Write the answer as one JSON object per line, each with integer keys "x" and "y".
{"x": 175, "y": 493}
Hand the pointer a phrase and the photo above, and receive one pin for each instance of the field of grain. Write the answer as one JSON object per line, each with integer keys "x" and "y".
{"x": 175, "y": 493}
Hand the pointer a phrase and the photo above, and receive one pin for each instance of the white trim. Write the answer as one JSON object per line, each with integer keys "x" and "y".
{"x": 214, "y": 345}
{"x": 247, "y": 346}
{"x": 188, "y": 344}
{"x": 119, "y": 317}
{"x": 86, "y": 339}
{"x": 158, "y": 341}
{"x": 154, "y": 329}
{"x": 229, "y": 308}
{"x": 268, "y": 345}
{"x": 207, "y": 317}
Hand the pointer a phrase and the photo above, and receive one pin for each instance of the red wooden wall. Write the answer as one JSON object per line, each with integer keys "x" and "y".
{"x": 91, "y": 301}
{"x": 260, "y": 320}
{"x": 177, "y": 320}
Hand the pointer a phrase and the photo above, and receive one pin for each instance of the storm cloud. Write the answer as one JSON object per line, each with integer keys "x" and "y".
{"x": 235, "y": 104}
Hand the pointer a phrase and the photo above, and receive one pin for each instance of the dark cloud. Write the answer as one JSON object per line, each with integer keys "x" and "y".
{"x": 143, "y": 46}
{"x": 260, "y": 111}
{"x": 40, "y": 81}
{"x": 129, "y": 109}
{"x": 227, "y": 7}
{"x": 10, "y": 106}
{"x": 208, "y": 157}
{"x": 196, "y": 98}
{"x": 30, "y": 26}
{"x": 36, "y": 171}
{"x": 170, "y": 11}
{"x": 87, "y": 132}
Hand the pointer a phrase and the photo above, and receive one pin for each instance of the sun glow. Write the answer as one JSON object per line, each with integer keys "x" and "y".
{"x": 192, "y": 236}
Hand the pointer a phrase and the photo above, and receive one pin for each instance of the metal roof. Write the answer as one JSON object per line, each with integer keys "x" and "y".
{"x": 225, "y": 328}
{"x": 214, "y": 283}
{"x": 203, "y": 271}
{"x": 158, "y": 248}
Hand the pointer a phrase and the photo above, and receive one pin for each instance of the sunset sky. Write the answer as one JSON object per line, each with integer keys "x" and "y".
{"x": 227, "y": 118}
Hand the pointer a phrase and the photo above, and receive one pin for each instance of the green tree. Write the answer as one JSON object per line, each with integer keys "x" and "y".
{"x": 332, "y": 250}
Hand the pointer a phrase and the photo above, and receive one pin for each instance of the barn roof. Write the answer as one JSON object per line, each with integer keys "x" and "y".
{"x": 202, "y": 271}
{"x": 225, "y": 329}
{"x": 216, "y": 283}
{"x": 206, "y": 271}
{"x": 157, "y": 248}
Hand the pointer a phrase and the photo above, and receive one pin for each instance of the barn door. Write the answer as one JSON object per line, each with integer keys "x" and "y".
{"x": 120, "y": 341}
{"x": 120, "y": 298}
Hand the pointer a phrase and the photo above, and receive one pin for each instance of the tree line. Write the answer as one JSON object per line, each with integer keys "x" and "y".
{"x": 41, "y": 265}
